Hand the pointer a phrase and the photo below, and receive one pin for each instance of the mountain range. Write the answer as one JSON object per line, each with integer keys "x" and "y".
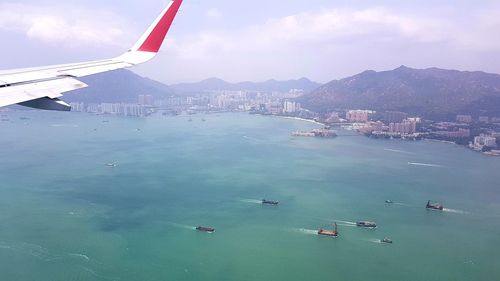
{"x": 125, "y": 86}
{"x": 433, "y": 93}
{"x": 216, "y": 84}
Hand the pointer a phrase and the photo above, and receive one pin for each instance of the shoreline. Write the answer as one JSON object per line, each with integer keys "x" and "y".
{"x": 443, "y": 141}
{"x": 301, "y": 119}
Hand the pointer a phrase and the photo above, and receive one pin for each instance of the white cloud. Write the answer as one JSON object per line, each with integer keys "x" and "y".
{"x": 321, "y": 44}
{"x": 308, "y": 34}
{"x": 69, "y": 27}
{"x": 333, "y": 26}
{"x": 332, "y": 42}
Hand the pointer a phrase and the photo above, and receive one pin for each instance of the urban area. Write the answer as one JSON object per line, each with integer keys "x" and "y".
{"x": 481, "y": 133}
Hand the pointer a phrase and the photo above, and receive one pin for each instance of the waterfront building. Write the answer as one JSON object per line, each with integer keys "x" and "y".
{"x": 484, "y": 141}
{"x": 406, "y": 127}
{"x": 110, "y": 108}
{"x": 93, "y": 108}
{"x": 77, "y": 106}
{"x": 133, "y": 110}
{"x": 274, "y": 108}
{"x": 372, "y": 127}
{"x": 291, "y": 107}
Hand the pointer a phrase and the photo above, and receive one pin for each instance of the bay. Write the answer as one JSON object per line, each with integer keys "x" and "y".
{"x": 86, "y": 197}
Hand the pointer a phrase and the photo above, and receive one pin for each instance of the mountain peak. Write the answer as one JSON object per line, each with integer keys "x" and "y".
{"x": 272, "y": 85}
{"x": 432, "y": 93}
{"x": 213, "y": 80}
{"x": 402, "y": 67}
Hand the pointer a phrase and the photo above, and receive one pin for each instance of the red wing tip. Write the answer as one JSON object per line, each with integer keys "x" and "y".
{"x": 155, "y": 39}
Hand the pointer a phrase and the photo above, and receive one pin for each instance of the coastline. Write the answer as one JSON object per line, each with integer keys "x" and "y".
{"x": 423, "y": 139}
{"x": 442, "y": 141}
{"x": 301, "y": 119}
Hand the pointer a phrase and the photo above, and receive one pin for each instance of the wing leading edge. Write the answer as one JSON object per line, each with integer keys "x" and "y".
{"x": 42, "y": 87}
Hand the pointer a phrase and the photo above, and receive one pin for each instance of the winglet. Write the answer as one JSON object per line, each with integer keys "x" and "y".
{"x": 152, "y": 40}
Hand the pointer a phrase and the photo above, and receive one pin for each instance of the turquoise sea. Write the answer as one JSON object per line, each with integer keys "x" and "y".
{"x": 66, "y": 215}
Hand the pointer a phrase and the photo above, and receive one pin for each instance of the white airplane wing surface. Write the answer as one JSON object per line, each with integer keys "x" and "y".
{"x": 42, "y": 87}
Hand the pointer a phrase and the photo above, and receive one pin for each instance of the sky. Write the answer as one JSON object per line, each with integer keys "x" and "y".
{"x": 257, "y": 40}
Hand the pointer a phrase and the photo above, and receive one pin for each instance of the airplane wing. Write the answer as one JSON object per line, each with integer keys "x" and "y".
{"x": 42, "y": 87}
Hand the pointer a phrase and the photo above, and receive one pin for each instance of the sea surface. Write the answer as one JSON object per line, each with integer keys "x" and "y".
{"x": 86, "y": 197}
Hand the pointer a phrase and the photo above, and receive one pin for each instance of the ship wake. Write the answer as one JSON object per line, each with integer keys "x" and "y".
{"x": 398, "y": 151}
{"x": 184, "y": 226}
{"x": 401, "y": 204}
{"x": 251, "y": 201}
{"x": 346, "y": 223}
{"x": 424, "y": 164}
{"x": 305, "y": 231}
{"x": 455, "y": 211}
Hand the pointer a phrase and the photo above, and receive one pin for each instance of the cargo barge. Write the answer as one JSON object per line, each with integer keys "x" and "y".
{"x": 327, "y": 232}
{"x": 269, "y": 202}
{"x": 205, "y": 229}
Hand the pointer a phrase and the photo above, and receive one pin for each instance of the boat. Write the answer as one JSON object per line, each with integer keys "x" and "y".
{"x": 368, "y": 224}
{"x": 386, "y": 240}
{"x": 434, "y": 206}
{"x": 329, "y": 232}
{"x": 388, "y": 201}
{"x": 112, "y": 165}
{"x": 269, "y": 202}
{"x": 205, "y": 229}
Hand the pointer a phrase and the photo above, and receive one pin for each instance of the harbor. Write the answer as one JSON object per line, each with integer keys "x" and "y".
{"x": 134, "y": 219}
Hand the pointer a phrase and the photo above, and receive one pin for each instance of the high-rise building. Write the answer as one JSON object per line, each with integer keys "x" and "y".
{"x": 94, "y": 108}
{"x": 77, "y": 106}
{"x": 485, "y": 141}
{"x": 291, "y": 107}
{"x": 406, "y": 127}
